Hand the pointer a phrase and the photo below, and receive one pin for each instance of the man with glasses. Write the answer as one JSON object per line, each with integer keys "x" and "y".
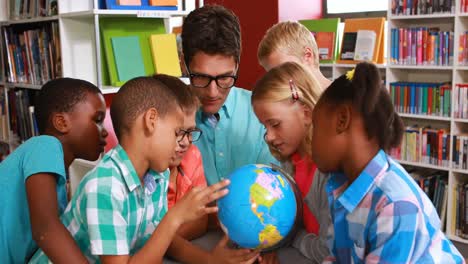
{"x": 232, "y": 135}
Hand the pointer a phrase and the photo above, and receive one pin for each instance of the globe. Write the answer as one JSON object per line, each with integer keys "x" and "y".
{"x": 260, "y": 209}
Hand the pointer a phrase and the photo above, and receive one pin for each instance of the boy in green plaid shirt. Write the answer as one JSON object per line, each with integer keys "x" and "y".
{"x": 119, "y": 212}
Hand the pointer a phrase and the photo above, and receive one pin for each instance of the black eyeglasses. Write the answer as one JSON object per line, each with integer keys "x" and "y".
{"x": 192, "y": 135}
{"x": 203, "y": 80}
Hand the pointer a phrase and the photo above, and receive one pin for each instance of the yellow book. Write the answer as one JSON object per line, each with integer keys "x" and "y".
{"x": 165, "y": 56}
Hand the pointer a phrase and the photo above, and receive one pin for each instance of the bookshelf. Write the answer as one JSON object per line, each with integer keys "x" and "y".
{"x": 453, "y": 72}
{"x": 80, "y": 41}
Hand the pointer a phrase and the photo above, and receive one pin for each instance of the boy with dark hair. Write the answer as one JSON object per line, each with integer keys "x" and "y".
{"x": 70, "y": 114}
{"x": 118, "y": 213}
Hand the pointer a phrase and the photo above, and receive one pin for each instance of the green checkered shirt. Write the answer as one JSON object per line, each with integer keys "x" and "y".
{"x": 111, "y": 212}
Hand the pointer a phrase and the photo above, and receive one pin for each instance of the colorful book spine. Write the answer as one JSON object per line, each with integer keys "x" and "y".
{"x": 421, "y": 46}
{"x": 422, "y": 98}
{"x": 464, "y": 6}
{"x": 463, "y": 48}
{"x": 22, "y": 118}
{"x": 424, "y": 145}
{"x": 424, "y": 7}
{"x": 32, "y": 55}
{"x": 460, "y": 106}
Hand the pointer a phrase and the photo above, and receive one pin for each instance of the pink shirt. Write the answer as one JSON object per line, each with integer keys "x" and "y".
{"x": 191, "y": 174}
{"x": 304, "y": 176}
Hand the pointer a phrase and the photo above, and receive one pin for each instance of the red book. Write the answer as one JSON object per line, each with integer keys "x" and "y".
{"x": 325, "y": 45}
{"x": 429, "y": 100}
{"x": 406, "y": 105}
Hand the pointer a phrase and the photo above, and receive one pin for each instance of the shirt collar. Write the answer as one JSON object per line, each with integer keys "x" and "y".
{"x": 128, "y": 172}
{"x": 351, "y": 196}
{"x": 225, "y": 110}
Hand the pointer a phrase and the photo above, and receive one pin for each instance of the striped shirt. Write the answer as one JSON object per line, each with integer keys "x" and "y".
{"x": 111, "y": 212}
{"x": 384, "y": 217}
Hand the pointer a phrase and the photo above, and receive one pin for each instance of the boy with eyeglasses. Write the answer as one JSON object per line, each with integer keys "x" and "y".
{"x": 232, "y": 134}
{"x": 186, "y": 166}
{"x": 186, "y": 173}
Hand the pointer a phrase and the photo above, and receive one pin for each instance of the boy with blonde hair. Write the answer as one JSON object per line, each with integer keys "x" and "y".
{"x": 290, "y": 41}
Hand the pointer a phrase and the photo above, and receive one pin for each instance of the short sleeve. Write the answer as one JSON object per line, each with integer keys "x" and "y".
{"x": 44, "y": 155}
{"x": 103, "y": 211}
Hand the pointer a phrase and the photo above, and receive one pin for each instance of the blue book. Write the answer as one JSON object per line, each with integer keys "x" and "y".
{"x": 112, "y": 4}
{"x": 128, "y": 57}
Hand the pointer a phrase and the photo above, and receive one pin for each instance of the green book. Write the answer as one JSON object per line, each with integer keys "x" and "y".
{"x": 325, "y": 25}
{"x": 128, "y": 58}
{"x": 112, "y": 27}
{"x": 424, "y": 105}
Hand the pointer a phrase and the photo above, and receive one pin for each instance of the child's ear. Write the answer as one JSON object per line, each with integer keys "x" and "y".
{"x": 307, "y": 114}
{"x": 343, "y": 119}
{"x": 61, "y": 122}
{"x": 309, "y": 56}
{"x": 150, "y": 119}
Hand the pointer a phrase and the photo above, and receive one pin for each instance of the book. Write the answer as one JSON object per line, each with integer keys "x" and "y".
{"x": 353, "y": 26}
{"x": 128, "y": 58}
{"x": 163, "y": 2}
{"x": 129, "y": 2}
{"x": 365, "y": 42}
{"x": 325, "y": 26}
{"x": 121, "y": 27}
{"x": 348, "y": 46}
{"x": 326, "y": 45}
{"x": 141, "y": 5}
{"x": 165, "y": 55}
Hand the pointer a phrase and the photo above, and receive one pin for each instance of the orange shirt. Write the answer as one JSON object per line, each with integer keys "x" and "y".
{"x": 304, "y": 176}
{"x": 190, "y": 174}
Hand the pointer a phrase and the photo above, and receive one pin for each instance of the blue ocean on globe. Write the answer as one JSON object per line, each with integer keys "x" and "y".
{"x": 260, "y": 209}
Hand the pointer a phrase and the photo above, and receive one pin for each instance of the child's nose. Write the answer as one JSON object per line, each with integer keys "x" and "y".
{"x": 269, "y": 137}
{"x": 104, "y": 132}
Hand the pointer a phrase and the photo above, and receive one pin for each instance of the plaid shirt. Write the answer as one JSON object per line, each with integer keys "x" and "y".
{"x": 111, "y": 212}
{"x": 384, "y": 217}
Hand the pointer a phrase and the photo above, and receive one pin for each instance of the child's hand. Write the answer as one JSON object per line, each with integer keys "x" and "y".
{"x": 195, "y": 203}
{"x": 269, "y": 258}
{"x": 223, "y": 254}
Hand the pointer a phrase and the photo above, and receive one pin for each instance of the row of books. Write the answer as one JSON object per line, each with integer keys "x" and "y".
{"x": 3, "y": 116}
{"x": 424, "y": 145}
{"x": 22, "y": 119}
{"x": 33, "y": 54}
{"x": 460, "y": 152}
{"x": 21, "y": 9}
{"x": 432, "y": 99}
{"x": 460, "y": 105}
{"x": 464, "y": 6}
{"x": 463, "y": 49}
{"x": 421, "y": 46}
{"x": 434, "y": 183}
{"x": 422, "y": 7}
{"x": 459, "y": 222}
{"x": 140, "y": 4}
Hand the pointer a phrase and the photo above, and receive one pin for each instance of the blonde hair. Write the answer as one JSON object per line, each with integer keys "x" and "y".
{"x": 274, "y": 86}
{"x": 288, "y": 37}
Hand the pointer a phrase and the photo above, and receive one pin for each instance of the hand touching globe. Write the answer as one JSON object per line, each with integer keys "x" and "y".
{"x": 260, "y": 209}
